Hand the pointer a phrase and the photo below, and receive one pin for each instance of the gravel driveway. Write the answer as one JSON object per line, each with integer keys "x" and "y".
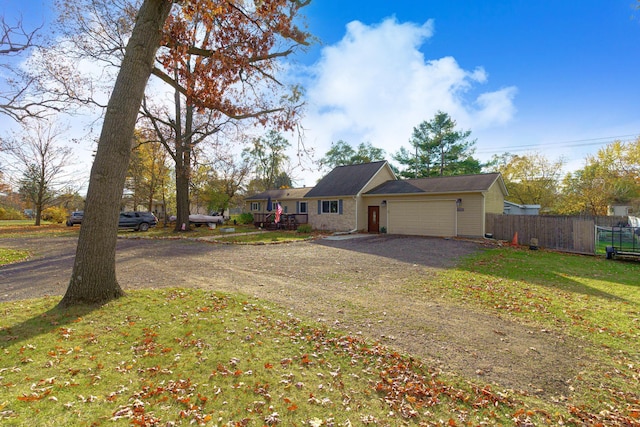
{"x": 376, "y": 286}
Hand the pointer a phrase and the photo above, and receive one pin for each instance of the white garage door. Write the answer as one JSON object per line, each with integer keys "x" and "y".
{"x": 420, "y": 218}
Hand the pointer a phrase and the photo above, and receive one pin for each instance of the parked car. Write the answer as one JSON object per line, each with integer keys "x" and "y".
{"x": 75, "y": 218}
{"x": 138, "y": 221}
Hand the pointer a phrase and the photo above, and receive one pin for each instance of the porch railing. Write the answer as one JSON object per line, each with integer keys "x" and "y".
{"x": 287, "y": 221}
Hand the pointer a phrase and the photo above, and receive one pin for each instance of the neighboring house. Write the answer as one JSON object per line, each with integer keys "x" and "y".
{"x": 620, "y": 210}
{"x": 368, "y": 197}
{"x": 511, "y": 208}
{"x": 157, "y": 207}
{"x": 291, "y": 200}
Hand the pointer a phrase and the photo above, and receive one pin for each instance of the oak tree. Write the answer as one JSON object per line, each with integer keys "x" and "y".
{"x": 220, "y": 59}
{"x": 222, "y": 67}
{"x": 225, "y": 188}
{"x": 93, "y": 279}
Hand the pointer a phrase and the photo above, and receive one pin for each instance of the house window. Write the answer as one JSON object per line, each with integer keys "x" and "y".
{"x": 329, "y": 206}
{"x": 255, "y": 206}
{"x": 302, "y": 208}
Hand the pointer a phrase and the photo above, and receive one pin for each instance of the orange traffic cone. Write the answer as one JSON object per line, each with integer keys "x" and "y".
{"x": 514, "y": 242}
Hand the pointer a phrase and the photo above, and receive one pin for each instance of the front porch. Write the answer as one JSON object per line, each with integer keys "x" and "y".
{"x": 287, "y": 221}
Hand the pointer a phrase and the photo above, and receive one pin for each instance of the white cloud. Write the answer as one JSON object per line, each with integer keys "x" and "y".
{"x": 495, "y": 107}
{"x": 375, "y": 85}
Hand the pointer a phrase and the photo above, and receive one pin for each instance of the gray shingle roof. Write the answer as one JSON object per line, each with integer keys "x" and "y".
{"x": 281, "y": 194}
{"x": 345, "y": 180}
{"x": 440, "y": 184}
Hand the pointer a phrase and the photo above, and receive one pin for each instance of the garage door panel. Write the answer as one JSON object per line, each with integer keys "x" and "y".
{"x": 433, "y": 218}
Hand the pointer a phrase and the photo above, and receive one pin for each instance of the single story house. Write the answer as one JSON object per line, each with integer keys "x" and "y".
{"x": 291, "y": 199}
{"x": 511, "y": 208}
{"x": 368, "y": 197}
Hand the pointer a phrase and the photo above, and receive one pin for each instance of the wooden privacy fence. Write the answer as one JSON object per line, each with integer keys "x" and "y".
{"x": 562, "y": 233}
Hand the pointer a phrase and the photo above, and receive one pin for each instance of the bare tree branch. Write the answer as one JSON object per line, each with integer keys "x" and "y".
{"x": 18, "y": 99}
{"x": 15, "y": 38}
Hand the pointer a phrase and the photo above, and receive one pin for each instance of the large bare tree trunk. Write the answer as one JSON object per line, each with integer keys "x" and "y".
{"x": 93, "y": 280}
{"x": 182, "y": 193}
{"x": 183, "y": 164}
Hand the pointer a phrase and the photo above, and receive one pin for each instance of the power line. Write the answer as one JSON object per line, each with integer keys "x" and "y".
{"x": 562, "y": 144}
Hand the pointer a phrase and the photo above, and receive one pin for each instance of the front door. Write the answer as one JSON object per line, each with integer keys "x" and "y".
{"x": 374, "y": 219}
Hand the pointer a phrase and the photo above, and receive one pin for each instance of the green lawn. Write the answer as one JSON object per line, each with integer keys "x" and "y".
{"x": 8, "y": 256}
{"x": 203, "y": 231}
{"x": 183, "y": 357}
{"x": 241, "y": 234}
{"x": 26, "y": 228}
{"x": 587, "y": 297}
{"x": 555, "y": 289}
{"x": 186, "y": 356}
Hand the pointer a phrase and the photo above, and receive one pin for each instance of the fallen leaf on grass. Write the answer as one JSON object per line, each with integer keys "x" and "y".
{"x": 33, "y": 397}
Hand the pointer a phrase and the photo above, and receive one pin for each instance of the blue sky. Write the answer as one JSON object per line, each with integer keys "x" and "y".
{"x": 557, "y": 77}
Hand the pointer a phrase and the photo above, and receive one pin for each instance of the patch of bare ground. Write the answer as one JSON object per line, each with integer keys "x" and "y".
{"x": 374, "y": 286}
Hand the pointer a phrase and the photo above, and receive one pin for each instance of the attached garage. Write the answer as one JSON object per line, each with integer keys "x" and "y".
{"x": 439, "y": 206}
{"x": 422, "y": 217}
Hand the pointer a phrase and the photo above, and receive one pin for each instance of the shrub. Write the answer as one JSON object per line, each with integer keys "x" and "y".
{"x": 10, "y": 213}
{"x": 383, "y": 230}
{"x": 304, "y": 229}
{"x": 245, "y": 218}
{"x": 55, "y": 214}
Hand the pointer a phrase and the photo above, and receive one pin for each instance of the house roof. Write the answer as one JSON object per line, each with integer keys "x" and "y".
{"x": 346, "y": 180}
{"x": 281, "y": 194}
{"x": 506, "y": 202}
{"x": 440, "y": 184}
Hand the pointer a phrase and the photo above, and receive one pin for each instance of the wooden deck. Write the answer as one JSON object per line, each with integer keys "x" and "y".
{"x": 287, "y": 221}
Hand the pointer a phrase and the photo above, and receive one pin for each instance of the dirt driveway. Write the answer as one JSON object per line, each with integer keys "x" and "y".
{"x": 375, "y": 286}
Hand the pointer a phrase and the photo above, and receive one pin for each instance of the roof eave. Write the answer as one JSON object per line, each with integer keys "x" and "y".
{"x": 503, "y": 186}
{"x": 359, "y": 193}
{"x": 428, "y": 193}
{"x": 330, "y": 196}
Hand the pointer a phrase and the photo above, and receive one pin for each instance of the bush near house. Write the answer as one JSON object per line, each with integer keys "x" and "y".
{"x": 304, "y": 229}
{"x": 55, "y": 214}
{"x": 245, "y": 218}
{"x": 10, "y": 213}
